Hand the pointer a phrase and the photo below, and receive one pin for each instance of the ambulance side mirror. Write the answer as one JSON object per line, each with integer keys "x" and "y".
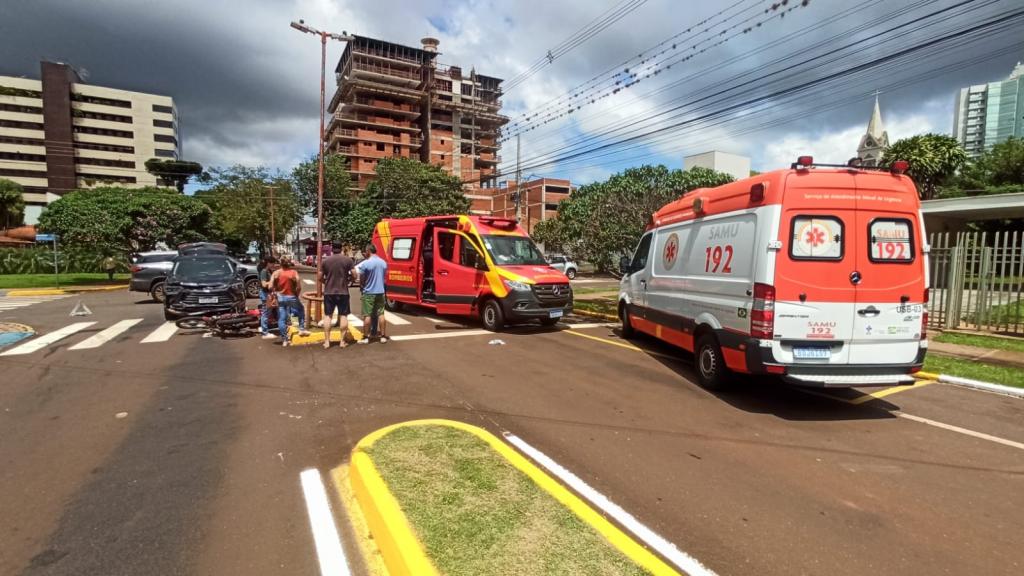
{"x": 624, "y": 265}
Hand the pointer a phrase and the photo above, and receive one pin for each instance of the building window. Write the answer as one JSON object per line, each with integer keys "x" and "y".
{"x": 467, "y": 89}
{"x": 21, "y": 157}
{"x": 21, "y": 92}
{"x": 165, "y": 153}
{"x": 20, "y": 108}
{"x": 22, "y": 173}
{"x": 103, "y": 132}
{"x": 380, "y": 147}
{"x": 163, "y": 109}
{"x": 75, "y": 96}
{"x": 165, "y": 139}
{"x": 22, "y": 141}
{"x": 163, "y": 123}
{"x": 550, "y": 206}
{"x": 21, "y": 125}
{"x": 105, "y": 147}
{"x": 105, "y": 162}
{"x": 98, "y": 116}
{"x": 106, "y": 178}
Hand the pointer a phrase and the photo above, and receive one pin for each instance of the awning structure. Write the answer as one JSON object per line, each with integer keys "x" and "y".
{"x": 953, "y": 214}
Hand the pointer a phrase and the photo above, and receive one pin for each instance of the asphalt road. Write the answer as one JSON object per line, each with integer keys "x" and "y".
{"x": 200, "y": 475}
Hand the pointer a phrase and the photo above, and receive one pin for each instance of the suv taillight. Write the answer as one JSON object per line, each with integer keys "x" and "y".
{"x": 136, "y": 268}
{"x": 762, "y": 314}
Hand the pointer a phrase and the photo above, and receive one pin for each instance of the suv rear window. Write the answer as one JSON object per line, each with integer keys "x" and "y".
{"x": 892, "y": 240}
{"x": 816, "y": 238}
{"x": 156, "y": 258}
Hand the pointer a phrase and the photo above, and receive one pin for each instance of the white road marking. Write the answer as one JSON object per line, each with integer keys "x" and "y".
{"x": 15, "y": 302}
{"x": 161, "y": 334}
{"x": 950, "y": 427}
{"x": 101, "y": 338}
{"x": 395, "y": 319}
{"x": 435, "y": 320}
{"x": 682, "y": 560}
{"x": 325, "y": 533}
{"x": 44, "y": 341}
{"x": 308, "y": 281}
{"x": 592, "y": 325}
{"x": 355, "y": 321}
{"x": 452, "y": 334}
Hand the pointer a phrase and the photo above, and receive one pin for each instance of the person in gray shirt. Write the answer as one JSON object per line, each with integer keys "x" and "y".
{"x": 336, "y": 278}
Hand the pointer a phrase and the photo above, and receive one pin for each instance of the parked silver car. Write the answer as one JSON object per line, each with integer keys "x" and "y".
{"x": 565, "y": 265}
{"x": 150, "y": 270}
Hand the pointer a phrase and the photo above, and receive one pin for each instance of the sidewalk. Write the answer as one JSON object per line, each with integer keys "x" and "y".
{"x": 984, "y": 355}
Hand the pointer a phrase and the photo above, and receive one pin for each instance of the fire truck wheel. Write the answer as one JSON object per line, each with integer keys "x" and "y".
{"x": 491, "y": 316}
{"x": 392, "y": 305}
{"x": 627, "y": 328}
{"x": 712, "y": 373}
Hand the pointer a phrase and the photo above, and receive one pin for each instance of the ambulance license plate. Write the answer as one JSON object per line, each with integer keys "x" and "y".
{"x": 555, "y": 313}
{"x": 812, "y": 352}
{"x": 209, "y": 300}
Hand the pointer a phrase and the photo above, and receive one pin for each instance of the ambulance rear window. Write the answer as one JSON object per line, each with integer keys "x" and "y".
{"x": 892, "y": 240}
{"x": 816, "y": 238}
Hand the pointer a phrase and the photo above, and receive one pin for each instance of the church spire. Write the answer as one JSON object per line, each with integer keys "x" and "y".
{"x": 875, "y": 140}
{"x": 875, "y": 128}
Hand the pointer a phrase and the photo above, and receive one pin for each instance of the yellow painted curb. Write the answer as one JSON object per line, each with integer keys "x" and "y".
{"x": 318, "y": 337}
{"x": 36, "y": 292}
{"x": 601, "y": 315}
{"x": 926, "y": 376}
{"x": 404, "y": 554}
{"x": 96, "y": 288}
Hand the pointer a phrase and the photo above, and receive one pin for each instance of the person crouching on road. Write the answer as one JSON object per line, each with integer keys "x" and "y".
{"x": 288, "y": 288}
{"x": 337, "y": 273}
{"x": 371, "y": 272}
{"x": 268, "y": 299}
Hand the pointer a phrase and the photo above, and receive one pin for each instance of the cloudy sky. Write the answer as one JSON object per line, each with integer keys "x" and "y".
{"x": 246, "y": 85}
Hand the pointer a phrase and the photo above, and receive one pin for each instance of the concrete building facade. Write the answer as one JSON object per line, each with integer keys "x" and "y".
{"x": 732, "y": 164}
{"x": 987, "y": 114}
{"x": 394, "y": 100}
{"x": 58, "y": 134}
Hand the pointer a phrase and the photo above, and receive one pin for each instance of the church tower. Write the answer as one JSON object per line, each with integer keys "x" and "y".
{"x": 875, "y": 141}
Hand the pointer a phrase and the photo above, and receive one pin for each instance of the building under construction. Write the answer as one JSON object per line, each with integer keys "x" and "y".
{"x": 395, "y": 100}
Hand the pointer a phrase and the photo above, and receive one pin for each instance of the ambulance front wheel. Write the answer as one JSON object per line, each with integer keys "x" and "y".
{"x": 712, "y": 373}
{"x": 491, "y": 316}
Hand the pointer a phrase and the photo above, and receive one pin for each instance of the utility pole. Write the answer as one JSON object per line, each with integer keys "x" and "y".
{"x": 519, "y": 177}
{"x": 273, "y": 223}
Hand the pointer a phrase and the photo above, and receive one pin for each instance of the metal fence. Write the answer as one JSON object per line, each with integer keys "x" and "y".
{"x": 977, "y": 281}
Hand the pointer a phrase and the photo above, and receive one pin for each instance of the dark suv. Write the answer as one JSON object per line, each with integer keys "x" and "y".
{"x": 203, "y": 284}
{"x": 150, "y": 270}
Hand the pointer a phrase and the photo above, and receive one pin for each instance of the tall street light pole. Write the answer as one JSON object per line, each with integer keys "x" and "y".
{"x": 324, "y": 36}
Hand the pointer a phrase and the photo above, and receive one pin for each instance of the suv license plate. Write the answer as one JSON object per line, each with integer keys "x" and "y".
{"x": 815, "y": 352}
{"x": 210, "y": 300}
{"x": 554, "y": 313}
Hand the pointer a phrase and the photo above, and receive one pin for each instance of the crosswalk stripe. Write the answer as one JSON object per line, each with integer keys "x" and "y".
{"x": 395, "y": 319}
{"x": 353, "y": 320}
{"x": 308, "y": 281}
{"x": 44, "y": 341}
{"x": 101, "y": 338}
{"x": 161, "y": 334}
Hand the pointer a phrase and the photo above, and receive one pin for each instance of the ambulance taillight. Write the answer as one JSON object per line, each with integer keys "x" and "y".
{"x": 762, "y": 313}
{"x": 924, "y": 317}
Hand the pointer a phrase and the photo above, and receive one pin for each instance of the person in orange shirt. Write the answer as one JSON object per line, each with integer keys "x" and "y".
{"x": 288, "y": 287}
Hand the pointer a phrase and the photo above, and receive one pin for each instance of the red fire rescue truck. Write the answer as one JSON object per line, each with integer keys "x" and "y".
{"x": 470, "y": 266}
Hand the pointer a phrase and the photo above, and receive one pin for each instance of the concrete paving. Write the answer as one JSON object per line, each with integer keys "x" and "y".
{"x": 181, "y": 454}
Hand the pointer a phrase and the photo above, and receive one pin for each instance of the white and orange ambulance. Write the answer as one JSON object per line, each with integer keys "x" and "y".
{"x": 817, "y": 274}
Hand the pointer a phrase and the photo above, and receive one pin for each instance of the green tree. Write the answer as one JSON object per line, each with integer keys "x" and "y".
{"x": 352, "y": 222}
{"x": 126, "y": 220}
{"x": 1004, "y": 163}
{"x": 934, "y": 159}
{"x": 177, "y": 172}
{"x": 604, "y": 220}
{"x": 12, "y": 203}
{"x": 240, "y": 198}
{"x": 407, "y": 188}
{"x": 337, "y": 181}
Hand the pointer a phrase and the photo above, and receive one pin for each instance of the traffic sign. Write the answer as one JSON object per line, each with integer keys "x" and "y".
{"x": 44, "y": 237}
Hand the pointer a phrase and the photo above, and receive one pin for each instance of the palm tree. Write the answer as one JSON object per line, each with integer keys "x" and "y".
{"x": 933, "y": 159}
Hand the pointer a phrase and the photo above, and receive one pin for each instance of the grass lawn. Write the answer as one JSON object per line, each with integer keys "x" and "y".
{"x": 47, "y": 280}
{"x": 981, "y": 341}
{"x": 595, "y": 289}
{"x": 1004, "y": 375}
{"x": 477, "y": 515}
{"x": 601, "y": 306}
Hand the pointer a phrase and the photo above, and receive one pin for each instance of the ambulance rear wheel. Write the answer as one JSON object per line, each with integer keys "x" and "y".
{"x": 491, "y": 316}
{"x": 627, "y": 327}
{"x": 712, "y": 373}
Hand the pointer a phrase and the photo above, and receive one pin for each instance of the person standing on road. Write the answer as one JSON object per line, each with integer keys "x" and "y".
{"x": 268, "y": 299}
{"x": 109, "y": 265}
{"x": 288, "y": 288}
{"x": 336, "y": 278}
{"x": 371, "y": 272}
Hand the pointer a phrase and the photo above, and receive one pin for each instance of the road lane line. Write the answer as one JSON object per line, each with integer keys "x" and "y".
{"x": 587, "y": 325}
{"x": 101, "y": 338}
{"x": 435, "y": 320}
{"x": 325, "y": 533}
{"x": 668, "y": 550}
{"x": 890, "y": 391}
{"x": 950, "y": 427}
{"x": 395, "y": 319}
{"x": 452, "y": 334}
{"x": 353, "y": 320}
{"x": 44, "y": 341}
{"x": 621, "y": 345}
{"x": 162, "y": 334}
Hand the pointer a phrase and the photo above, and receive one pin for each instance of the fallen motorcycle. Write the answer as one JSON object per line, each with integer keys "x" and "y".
{"x": 232, "y": 324}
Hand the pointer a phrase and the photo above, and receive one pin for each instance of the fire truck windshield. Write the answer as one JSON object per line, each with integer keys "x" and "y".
{"x": 513, "y": 250}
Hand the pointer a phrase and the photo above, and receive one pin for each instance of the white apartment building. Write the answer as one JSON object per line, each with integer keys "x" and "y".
{"x": 58, "y": 134}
